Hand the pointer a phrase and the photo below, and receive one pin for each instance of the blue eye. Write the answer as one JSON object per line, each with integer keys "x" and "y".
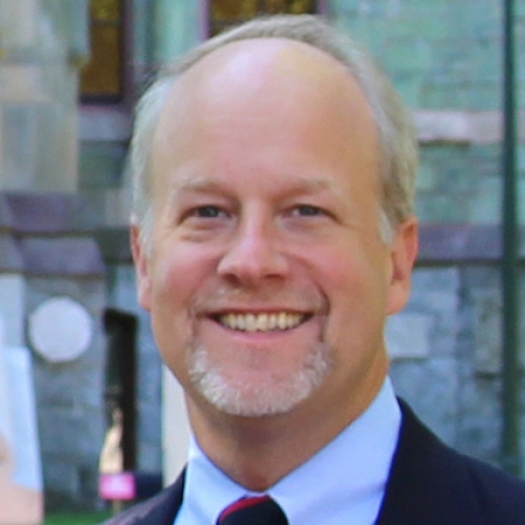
{"x": 307, "y": 210}
{"x": 208, "y": 212}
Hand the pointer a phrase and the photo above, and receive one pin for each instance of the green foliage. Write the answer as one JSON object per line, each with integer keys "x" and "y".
{"x": 76, "y": 519}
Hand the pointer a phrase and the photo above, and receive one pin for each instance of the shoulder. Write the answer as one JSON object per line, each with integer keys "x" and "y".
{"x": 159, "y": 510}
{"x": 431, "y": 483}
{"x": 499, "y": 495}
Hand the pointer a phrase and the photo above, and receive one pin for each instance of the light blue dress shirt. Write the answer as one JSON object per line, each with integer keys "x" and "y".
{"x": 342, "y": 483}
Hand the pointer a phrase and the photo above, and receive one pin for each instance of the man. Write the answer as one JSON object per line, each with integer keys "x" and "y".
{"x": 273, "y": 233}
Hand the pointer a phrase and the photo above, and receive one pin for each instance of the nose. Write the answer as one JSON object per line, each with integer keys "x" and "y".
{"x": 253, "y": 255}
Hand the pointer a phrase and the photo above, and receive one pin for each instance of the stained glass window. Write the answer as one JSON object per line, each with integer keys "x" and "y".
{"x": 101, "y": 79}
{"x": 226, "y": 13}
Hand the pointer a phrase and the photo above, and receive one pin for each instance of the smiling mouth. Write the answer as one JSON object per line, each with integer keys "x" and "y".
{"x": 262, "y": 322}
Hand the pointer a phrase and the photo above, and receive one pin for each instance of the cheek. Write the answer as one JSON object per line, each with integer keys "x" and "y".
{"x": 179, "y": 272}
{"x": 354, "y": 283}
{"x": 351, "y": 270}
{"x": 172, "y": 292}
{"x": 173, "y": 288}
{"x": 182, "y": 273}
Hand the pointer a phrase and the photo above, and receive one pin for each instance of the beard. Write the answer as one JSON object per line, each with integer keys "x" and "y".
{"x": 263, "y": 390}
{"x": 268, "y": 394}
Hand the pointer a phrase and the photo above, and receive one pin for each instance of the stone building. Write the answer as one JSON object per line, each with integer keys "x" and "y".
{"x": 70, "y": 71}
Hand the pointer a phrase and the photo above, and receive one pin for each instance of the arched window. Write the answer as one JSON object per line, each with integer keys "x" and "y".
{"x": 226, "y": 13}
{"x": 102, "y": 78}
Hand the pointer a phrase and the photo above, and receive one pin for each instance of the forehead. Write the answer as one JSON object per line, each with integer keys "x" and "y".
{"x": 263, "y": 96}
{"x": 264, "y": 73}
{"x": 251, "y": 61}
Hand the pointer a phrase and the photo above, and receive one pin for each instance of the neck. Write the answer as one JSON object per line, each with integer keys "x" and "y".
{"x": 257, "y": 452}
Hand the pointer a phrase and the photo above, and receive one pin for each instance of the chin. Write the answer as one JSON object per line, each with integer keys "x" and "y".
{"x": 263, "y": 394}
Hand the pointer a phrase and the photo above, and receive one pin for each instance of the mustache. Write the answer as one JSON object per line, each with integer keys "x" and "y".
{"x": 224, "y": 296}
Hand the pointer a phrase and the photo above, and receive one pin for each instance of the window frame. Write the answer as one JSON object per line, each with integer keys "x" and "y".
{"x": 322, "y": 10}
{"x": 124, "y": 99}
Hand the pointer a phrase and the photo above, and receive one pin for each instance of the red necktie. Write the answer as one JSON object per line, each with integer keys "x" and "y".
{"x": 261, "y": 510}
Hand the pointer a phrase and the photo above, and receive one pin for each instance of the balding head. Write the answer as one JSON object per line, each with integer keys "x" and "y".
{"x": 275, "y": 68}
{"x": 397, "y": 161}
{"x": 262, "y": 91}
{"x": 252, "y": 82}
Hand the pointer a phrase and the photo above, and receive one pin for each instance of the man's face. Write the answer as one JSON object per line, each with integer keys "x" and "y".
{"x": 267, "y": 280}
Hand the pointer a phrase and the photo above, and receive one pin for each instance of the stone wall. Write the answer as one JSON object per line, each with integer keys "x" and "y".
{"x": 48, "y": 256}
{"x": 445, "y": 58}
{"x": 71, "y": 412}
{"x": 440, "y": 55}
{"x": 446, "y": 345}
{"x": 38, "y": 95}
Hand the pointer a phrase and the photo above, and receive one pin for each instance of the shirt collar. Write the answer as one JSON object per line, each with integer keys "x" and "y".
{"x": 350, "y": 474}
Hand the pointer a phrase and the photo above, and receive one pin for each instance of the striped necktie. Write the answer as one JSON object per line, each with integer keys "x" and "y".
{"x": 261, "y": 510}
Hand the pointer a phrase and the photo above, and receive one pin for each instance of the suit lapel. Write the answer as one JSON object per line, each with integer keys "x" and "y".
{"x": 162, "y": 509}
{"x": 428, "y": 482}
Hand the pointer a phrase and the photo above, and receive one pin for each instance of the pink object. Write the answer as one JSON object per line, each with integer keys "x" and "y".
{"x": 119, "y": 486}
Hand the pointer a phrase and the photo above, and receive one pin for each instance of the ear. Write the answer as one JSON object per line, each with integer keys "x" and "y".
{"x": 403, "y": 254}
{"x": 141, "y": 262}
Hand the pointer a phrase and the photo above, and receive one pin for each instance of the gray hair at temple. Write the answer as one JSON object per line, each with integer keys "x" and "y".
{"x": 397, "y": 142}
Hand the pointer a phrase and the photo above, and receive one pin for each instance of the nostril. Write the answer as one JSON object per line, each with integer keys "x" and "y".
{"x": 251, "y": 266}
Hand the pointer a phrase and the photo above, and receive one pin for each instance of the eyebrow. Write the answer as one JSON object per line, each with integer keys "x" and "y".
{"x": 201, "y": 183}
{"x": 314, "y": 185}
{"x": 193, "y": 182}
{"x": 198, "y": 183}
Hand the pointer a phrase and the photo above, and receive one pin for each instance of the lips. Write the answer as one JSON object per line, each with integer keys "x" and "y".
{"x": 261, "y": 322}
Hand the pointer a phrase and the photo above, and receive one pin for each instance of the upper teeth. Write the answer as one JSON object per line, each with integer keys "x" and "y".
{"x": 261, "y": 322}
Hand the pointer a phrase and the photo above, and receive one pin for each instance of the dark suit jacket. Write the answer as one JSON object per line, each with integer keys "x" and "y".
{"x": 429, "y": 484}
